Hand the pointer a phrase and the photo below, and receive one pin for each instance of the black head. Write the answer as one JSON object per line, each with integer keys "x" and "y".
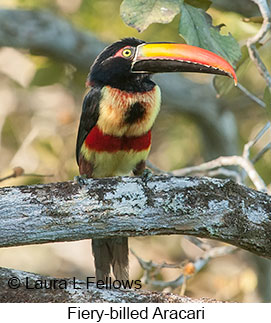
{"x": 128, "y": 63}
{"x": 113, "y": 67}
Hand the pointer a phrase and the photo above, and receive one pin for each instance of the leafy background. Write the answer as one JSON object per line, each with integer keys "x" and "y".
{"x": 39, "y": 111}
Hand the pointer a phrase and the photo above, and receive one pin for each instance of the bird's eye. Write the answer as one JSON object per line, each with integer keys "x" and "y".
{"x": 127, "y": 52}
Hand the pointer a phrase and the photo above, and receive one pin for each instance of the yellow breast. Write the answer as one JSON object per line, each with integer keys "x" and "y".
{"x": 115, "y": 103}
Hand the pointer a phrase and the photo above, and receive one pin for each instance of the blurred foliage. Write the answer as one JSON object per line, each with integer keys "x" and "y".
{"x": 38, "y": 125}
{"x": 52, "y": 72}
{"x": 222, "y": 84}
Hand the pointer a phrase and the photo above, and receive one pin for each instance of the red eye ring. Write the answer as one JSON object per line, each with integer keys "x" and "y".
{"x": 126, "y": 52}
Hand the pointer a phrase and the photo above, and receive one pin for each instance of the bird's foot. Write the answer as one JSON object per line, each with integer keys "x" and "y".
{"x": 81, "y": 180}
{"x": 146, "y": 175}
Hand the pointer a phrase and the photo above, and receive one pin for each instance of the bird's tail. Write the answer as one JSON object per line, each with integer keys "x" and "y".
{"x": 111, "y": 252}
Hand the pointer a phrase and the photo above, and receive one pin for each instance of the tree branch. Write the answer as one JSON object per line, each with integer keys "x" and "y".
{"x": 188, "y": 269}
{"x": 127, "y": 206}
{"x": 227, "y": 161}
{"x": 76, "y": 295}
{"x": 251, "y": 42}
{"x": 242, "y": 161}
{"x": 253, "y": 97}
{"x": 45, "y": 34}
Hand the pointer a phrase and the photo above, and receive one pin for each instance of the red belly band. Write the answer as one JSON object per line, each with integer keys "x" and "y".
{"x": 97, "y": 140}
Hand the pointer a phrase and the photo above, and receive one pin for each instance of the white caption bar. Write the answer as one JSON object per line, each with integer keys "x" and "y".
{"x": 105, "y": 313}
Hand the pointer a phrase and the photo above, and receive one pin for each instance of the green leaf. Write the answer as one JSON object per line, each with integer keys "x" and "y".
{"x": 141, "y": 13}
{"x": 203, "y": 4}
{"x": 197, "y": 29}
{"x": 50, "y": 74}
{"x": 267, "y": 101}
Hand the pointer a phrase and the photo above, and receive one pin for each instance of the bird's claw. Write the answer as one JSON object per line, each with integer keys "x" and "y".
{"x": 146, "y": 175}
{"x": 81, "y": 180}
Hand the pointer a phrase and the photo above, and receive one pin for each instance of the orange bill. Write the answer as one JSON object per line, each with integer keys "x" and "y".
{"x": 172, "y": 57}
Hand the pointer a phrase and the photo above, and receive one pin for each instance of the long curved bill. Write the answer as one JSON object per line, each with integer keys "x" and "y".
{"x": 172, "y": 57}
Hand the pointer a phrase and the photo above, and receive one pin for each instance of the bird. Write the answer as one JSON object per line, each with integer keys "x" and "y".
{"x": 118, "y": 113}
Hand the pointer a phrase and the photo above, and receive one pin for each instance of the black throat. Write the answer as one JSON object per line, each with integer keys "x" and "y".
{"x": 133, "y": 83}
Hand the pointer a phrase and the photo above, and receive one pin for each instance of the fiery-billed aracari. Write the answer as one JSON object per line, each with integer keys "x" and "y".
{"x": 114, "y": 136}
